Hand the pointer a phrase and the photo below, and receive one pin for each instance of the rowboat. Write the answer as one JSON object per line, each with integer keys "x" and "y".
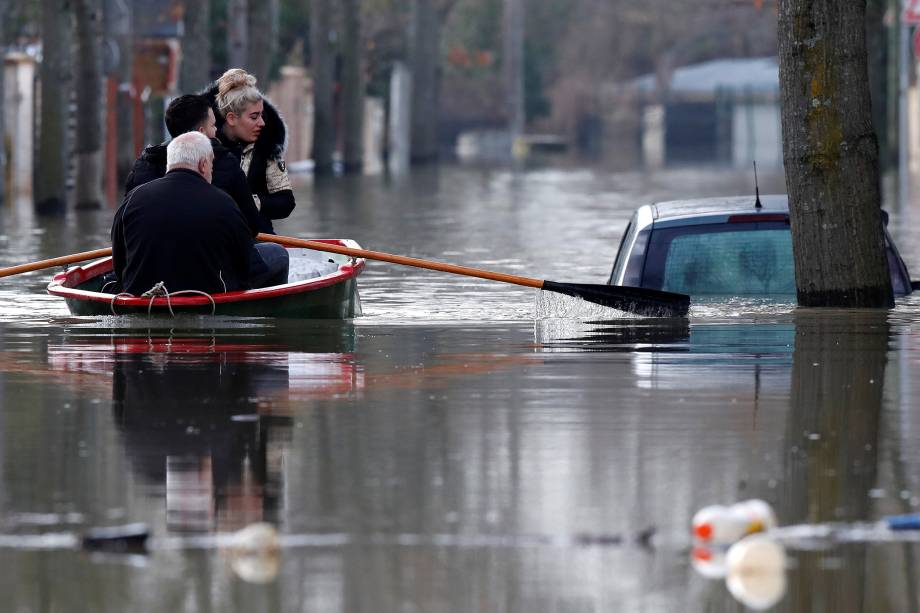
{"x": 320, "y": 286}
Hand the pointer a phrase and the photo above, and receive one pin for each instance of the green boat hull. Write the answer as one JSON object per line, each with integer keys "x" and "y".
{"x": 322, "y": 286}
{"x": 338, "y": 301}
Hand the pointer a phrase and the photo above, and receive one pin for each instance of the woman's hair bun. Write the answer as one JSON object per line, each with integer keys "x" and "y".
{"x": 234, "y": 78}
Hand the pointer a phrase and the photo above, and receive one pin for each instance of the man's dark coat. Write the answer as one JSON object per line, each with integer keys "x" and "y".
{"x": 228, "y": 176}
{"x": 183, "y": 231}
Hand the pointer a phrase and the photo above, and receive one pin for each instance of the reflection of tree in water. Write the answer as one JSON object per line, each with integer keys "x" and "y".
{"x": 758, "y": 262}
{"x": 694, "y": 274}
{"x": 190, "y": 420}
{"x": 832, "y": 448}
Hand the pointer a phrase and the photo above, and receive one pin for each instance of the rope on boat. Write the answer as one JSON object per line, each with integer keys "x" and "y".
{"x": 189, "y": 291}
{"x": 116, "y": 297}
{"x": 159, "y": 291}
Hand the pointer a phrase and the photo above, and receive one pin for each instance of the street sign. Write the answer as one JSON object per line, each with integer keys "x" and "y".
{"x": 911, "y": 14}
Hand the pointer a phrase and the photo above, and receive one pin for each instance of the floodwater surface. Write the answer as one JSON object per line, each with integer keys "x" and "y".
{"x": 463, "y": 446}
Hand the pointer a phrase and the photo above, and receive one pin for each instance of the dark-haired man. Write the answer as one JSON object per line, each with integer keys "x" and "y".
{"x": 179, "y": 230}
{"x": 193, "y": 113}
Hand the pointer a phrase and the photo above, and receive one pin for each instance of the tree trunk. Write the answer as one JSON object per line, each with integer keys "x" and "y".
{"x": 4, "y": 158}
{"x": 830, "y": 153}
{"x": 353, "y": 87}
{"x": 51, "y": 170}
{"x": 237, "y": 33}
{"x": 263, "y": 27}
{"x": 322, "y": 64}
{"x": 514, "y": 67}
{"x": 424, "y": 62}
{"x": 195, "y": 70}
{"x": 90, "y": 104}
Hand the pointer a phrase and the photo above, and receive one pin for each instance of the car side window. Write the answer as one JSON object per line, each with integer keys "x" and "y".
{"x": 635, "y": 265}
{"x": 621, "y": 256}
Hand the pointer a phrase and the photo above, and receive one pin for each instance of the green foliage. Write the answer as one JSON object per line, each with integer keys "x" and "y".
{"x": 547, "y": 24}
{"x": 473, "y": 45}
{"x": 20, "y": 20}
{"x": 475, "y": 25}
{"x": 294, "y": 28}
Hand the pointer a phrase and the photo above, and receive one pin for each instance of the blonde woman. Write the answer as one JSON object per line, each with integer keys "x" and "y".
{"x": 249, "y": 126}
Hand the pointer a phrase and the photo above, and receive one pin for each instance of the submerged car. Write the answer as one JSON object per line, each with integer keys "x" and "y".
{"x": 719, "y": 247}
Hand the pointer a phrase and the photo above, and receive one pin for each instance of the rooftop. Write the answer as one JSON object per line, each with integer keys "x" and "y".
{"x": 737, "y": 75}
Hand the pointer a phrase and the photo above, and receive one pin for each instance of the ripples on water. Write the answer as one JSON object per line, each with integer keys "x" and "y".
{"x": 454, "y": 415}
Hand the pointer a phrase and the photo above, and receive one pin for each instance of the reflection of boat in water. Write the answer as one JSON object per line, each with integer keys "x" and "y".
{"x": 321, "y": 286}
{"x": 207, "y": 415}
{"x": 308, "y": 359}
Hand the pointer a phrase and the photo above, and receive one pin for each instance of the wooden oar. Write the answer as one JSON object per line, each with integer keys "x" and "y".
{"x": 61, "y": 261}
{"x": 642, "y": 301}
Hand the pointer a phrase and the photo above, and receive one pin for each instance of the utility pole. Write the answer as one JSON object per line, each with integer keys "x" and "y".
{"x": 903, "y": 120}
{"x": 119, "y": 71}
{"x": 352, "y": 87}
{"x": 514, "y": 71}
{"x": 195, "y": 69}
{"x": 50, "y": 173}
{"x": 88, "y": 146}
{"x": 424, "y": 62}
{"x": 3, "y": 161}
{"x": 322, "y": 67}
{"x": 238, "y": 34}
{"x": 263, "y": 38}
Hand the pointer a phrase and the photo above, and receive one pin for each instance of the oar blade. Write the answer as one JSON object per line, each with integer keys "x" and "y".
{"x": 638, "y": 300}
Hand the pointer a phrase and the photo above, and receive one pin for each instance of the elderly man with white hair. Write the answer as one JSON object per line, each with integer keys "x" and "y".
{"x": 181, "y": 231}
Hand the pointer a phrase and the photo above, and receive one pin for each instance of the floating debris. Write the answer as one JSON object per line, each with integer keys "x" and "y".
{"x": 255, "y": 553}
{"x": 724, "y": 525}
{"x": 756, "y": 571}
{"x": 130, "y": 538}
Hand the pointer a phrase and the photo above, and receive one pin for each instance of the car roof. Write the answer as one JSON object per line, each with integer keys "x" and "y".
{"x": 731, "y": 205}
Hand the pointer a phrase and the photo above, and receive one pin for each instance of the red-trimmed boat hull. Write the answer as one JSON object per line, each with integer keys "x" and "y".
{"x": 332, "y": 296}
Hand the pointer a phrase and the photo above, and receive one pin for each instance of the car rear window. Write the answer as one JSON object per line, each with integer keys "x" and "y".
{"x": 722, "y": 259}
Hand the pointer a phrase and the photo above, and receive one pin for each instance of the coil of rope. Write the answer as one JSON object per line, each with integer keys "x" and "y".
{"x": 159, "y": 291}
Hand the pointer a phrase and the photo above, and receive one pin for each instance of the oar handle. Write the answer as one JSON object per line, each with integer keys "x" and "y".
{"x": 61, "y": 261}
{"x": 401, "y": 259}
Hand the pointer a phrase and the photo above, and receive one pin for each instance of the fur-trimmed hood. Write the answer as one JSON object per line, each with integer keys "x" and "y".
{"x": 272, "y": 140}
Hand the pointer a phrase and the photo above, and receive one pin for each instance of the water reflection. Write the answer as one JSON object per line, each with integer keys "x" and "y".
{"x": 208, "y": 443}
{"x": 831, "y": 466}
{"x": 626, "y": 335}
{"x": 454, "y": 426}
{"x": 834, "y": 366}
{"x": 204, "y": 416}
{"x": 832, "y": 449}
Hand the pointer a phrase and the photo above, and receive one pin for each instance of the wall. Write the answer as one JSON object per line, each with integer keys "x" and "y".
{"x": 756, "y": 135}
{"x": 18, "y": 105}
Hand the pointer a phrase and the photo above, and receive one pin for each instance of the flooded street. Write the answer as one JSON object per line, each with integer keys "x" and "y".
{"x": 461, "y": 446}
